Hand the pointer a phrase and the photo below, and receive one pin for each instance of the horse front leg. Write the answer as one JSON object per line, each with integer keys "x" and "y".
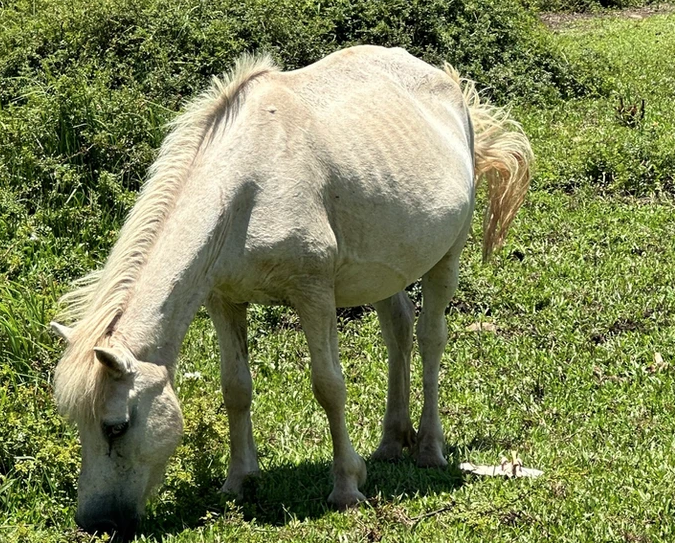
{"x": 319, "y": 323}
{"x": 235, "y": 378}
{"x": 397, "y": 318}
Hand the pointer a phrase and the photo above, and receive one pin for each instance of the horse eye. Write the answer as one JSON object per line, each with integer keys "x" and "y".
{"x": 115, "y": 430}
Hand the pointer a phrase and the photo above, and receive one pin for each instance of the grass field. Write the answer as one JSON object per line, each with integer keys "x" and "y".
{"x": 578, "y": 377}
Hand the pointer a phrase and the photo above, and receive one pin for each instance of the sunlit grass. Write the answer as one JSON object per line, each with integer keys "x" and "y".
{"x": 606, "y": 142}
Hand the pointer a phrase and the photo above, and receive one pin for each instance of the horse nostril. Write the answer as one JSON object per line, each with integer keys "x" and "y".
{"x": 104, "y": 527}
{"x": 99, "y": 527}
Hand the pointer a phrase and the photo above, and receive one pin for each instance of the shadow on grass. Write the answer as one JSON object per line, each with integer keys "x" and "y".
{"x": 288, "y": 492}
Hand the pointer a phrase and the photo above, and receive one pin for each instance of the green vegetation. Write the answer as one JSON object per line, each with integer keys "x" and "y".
{"x": 615, "y": 143}
{"x": 582, "y": 295}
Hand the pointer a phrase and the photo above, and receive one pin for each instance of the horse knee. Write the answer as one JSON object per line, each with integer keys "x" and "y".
{"x": 407, "y": 321}
{"x": 329, "y": 389}
{"x": 397, "y": 319}
{"x": 237, "y": 391}
{"x": 432, "y": 332}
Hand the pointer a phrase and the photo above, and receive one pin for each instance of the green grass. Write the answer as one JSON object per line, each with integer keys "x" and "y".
{"x": 603, "y": 148}
{"x": 583, "y": 296}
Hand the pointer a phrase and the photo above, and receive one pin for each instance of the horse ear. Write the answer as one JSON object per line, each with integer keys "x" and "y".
{"x": 64, "y": 332}
{"x": 115, "y": 360}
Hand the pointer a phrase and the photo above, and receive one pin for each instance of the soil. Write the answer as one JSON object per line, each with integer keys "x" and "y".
{"x": 560, "y": 21}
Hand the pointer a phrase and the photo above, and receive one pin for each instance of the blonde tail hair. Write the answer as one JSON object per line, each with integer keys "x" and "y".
{"x": 503, "y": 156}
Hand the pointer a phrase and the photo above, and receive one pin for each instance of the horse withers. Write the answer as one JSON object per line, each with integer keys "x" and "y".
{"x": 335, "y": 185}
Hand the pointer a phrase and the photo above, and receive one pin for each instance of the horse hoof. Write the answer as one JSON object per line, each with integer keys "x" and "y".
{"x": 431, "y": 459}
{"x": 345, "y": 500}
{"x": 388, "y": 452}
{"x": 240, "y": 486}
{"x": 231, "y": 492}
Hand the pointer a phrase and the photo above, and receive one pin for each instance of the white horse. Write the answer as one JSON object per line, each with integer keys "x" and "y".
{"x": 335, "y": 185}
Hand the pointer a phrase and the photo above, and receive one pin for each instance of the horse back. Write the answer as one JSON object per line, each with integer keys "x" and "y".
{"x": 362, "y": 170}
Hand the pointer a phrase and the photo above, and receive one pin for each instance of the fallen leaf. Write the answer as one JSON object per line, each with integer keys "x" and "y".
{"x": 658, "y": 365}
{"x": 506, "y": 468}
{"x": 482, "y": 327}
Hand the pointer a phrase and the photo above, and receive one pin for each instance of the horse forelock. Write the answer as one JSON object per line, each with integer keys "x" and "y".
{"x": 80, "y": 380}
{"x": 99, "y": 298}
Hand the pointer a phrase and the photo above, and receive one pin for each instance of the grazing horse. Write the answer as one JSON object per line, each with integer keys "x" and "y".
{"x": 334, "y": 185}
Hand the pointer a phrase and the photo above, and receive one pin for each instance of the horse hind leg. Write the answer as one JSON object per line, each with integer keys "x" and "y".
{"x": 438, "y": 287}
{"x": 319, "y": 323}
{"x": 397, "y": 317}
{"x": 230, "y": 324}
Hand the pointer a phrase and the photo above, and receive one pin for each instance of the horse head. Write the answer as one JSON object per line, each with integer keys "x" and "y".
{"x": 129, "y": 423}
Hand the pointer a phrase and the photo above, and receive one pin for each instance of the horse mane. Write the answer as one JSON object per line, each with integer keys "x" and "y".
{"x": 100, "y": 298}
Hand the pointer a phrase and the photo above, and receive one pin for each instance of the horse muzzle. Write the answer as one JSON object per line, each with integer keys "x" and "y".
{"x": 120, "y": 525}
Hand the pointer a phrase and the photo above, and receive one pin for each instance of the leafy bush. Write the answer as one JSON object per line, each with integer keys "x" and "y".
{"x": 38, "y": 453}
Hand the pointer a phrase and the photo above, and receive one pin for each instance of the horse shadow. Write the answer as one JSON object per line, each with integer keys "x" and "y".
{"x": 289, "y": 492}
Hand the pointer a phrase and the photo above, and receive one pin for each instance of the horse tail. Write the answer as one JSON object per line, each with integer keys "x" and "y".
{"x": 503, "y": 156}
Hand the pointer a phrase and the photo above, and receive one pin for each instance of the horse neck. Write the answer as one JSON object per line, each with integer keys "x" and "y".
{"x": 175, "y": 279}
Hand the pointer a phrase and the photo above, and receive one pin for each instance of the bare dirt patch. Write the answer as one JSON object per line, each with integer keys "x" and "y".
{"x": 561, "y": 21}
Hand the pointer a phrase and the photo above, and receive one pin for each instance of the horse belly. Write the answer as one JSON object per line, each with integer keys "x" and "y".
{"x": 365, "y": 283}
{"x": 388, "y": 255}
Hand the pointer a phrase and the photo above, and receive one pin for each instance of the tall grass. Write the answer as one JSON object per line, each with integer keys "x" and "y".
{"x": 24, "y": 339}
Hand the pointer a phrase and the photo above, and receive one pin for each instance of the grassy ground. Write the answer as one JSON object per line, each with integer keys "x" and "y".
{"x": 598, "y": 142}
{"x": 583, "y": 297}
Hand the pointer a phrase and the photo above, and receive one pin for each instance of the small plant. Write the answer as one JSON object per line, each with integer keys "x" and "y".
{"x": 630, "y": 114}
